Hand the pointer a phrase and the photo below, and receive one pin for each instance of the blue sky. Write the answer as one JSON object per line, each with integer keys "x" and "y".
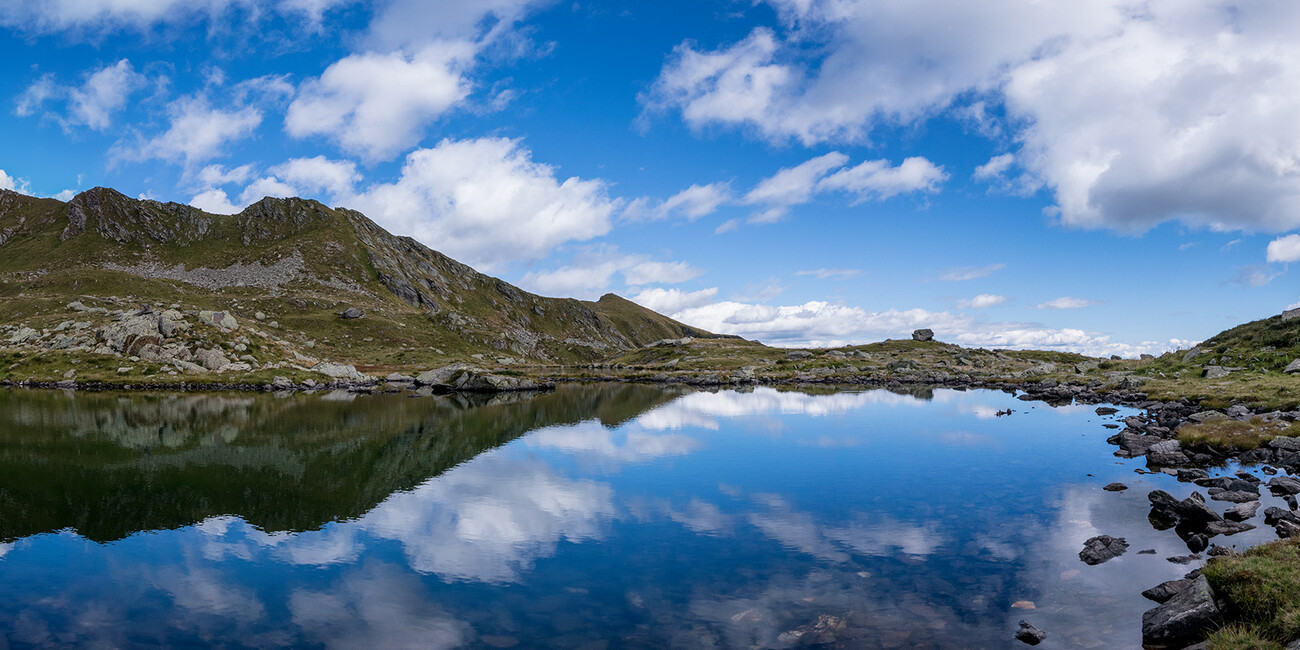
{"x": 1099, "y": 176}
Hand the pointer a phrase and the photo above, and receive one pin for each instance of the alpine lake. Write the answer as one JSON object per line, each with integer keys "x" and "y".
{"x": 591, "y": 516}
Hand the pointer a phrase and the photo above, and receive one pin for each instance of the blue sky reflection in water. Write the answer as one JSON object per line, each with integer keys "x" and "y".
{"x": 724, "y": 519}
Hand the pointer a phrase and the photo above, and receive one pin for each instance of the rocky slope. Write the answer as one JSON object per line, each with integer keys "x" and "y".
{"x": 120, "y": 283}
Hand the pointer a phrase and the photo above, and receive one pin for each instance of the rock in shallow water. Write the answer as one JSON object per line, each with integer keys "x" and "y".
{"x": 1030, "y": 634}
{"x": 1102, "y": 548}
{"x": 1184, "y": 617}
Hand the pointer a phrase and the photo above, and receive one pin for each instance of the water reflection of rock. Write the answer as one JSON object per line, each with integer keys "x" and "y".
{"x": 109, "y": 465}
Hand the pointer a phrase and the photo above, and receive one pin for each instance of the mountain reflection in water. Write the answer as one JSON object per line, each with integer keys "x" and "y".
{"x": 592, "y": 516}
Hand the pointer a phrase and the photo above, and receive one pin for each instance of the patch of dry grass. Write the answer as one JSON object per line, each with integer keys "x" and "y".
{"x": 1234, "y": 434}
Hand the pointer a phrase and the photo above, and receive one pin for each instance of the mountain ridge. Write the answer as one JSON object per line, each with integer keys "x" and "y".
{"x": 311, "y": 259}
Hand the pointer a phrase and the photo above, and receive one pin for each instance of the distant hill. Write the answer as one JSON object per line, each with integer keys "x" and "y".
{"x": 297, "y": 264}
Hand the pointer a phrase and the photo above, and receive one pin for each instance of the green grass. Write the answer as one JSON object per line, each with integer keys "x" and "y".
{"x": 1262, "y": 588}
{"x": 1234, "y": 434}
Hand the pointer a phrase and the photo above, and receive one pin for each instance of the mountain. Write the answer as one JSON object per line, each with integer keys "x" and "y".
{"x": 298, "y": 264}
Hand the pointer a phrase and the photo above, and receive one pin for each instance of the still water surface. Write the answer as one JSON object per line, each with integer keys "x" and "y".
{"x": 591, "y": 517}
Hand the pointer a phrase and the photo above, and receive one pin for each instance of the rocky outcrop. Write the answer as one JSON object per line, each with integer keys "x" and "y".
{"x": 1101, "y": 548}
{"x": 1184, "y": 618}
{"x": 462, "y": 378}
{"x": 923, "y": 335}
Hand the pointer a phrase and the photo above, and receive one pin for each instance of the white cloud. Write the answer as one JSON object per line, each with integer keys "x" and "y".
{"x": 410, "y": 24}
{"x": 1284, "y": 249}
{"x": 791, "y": 186}
{"x": 104, "y": 15}
{"x": 1182, "y": 110}
{"x": 7, "y": 182}
{"x": 995, "y": 167}
{"x": 313, "y": 10}
{"x": 824, "y": 324}
{"x": 215, "y": 201}
{"x": 692, "y": 203}
{"x": 591, "y": 272}
{"x": 823, "y": 274}
{"x": 1066, "y": 302}
{"x": 593, "y": 439}
{"x": 876, "y": 179}
{"x": 983, "y": 301}
{"x": 93, "y": 103}
{"x": 487, "y": 203}
{"x": 377, "y": 105}
{"x": 197, "y": 132}
{"x": 668, "y": 301}
{"x": 216, "y": 175}
{"x": 319, "y": 174}
{"x": 967, "y": 273}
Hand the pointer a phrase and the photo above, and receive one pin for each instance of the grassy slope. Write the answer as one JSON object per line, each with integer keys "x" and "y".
{"x": 344, "y": 258}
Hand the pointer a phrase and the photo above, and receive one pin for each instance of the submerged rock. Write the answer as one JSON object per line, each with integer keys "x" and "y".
{"x": 1030, "y": 634}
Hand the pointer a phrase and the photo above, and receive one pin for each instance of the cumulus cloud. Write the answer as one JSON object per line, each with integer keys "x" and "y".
{"x": 983, "y": 301}
{"x": 876, "y": 179}
{"x": 92, "y": 104}
{"x": 1284, "y": 249}
{"x": 8, "y": 182}
{"x": 826, "y": 324}
{"x": 669, "y": 301}
{"x": 873, "y": 179}
{"x": 995, "y": 167}
{"x": 591, "y": 272}
{"x": 377, "y": 105}
{"x": 1067, "y": 302}
{"x": 104, "y": 15}
{"x": 1180, "y": 111}
{"x": 197, "y": 132}
{"x": 487, "y": 203}
{"x": 692, "y": 203}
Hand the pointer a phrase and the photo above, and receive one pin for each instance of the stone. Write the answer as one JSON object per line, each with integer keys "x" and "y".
{"x": 1115, "y": 487}
{"x": 1164, "y": 591}
{"x": 1280, "y": 485}
{"x": 1285, "y": 443}
{"x": 796, "y": 355}
{"x": 1241, "y": 511}
{"x": 1133, "y": 444}
{"x": 1227, "y": 527}
{"x": 219, "y": 319}
{"x": 1106, "y": 410}
{"x": 1184, "y": 617}
{"x": 462, "y": 378}
{"x": 923, "y": 335}
{"x": 1233, "y": 496}
{"x": 1215, "y": 372}
{"x": 211, "y": 358}
{"x": 280, "y": 382}
{"x": 1290, "y": 314}
{"x": 24, "y": 335}
{"x": 192, "y": 368}
{"x": 1029, "y": 634}
{"x": 1101, "y": 548}
{"x": 239, "y": 366}
{"x": 1166, "y": 452}
{"x": 351, "y": 313}
{"x": 259, "y": 316}
{"x": 339, "y": 371}
{"x": 1293, "y": 367}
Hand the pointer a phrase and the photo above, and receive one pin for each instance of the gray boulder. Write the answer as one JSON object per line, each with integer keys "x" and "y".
{"x": 131, "y": 332}
{"x": 24, "y": 335}
{"x": 339, "y": 371}
{"x": 211, "y": 358}
{"x": 1102, "y": 548}
{"x": 795, "y": 355}
{"x": 462, "y": 378}
{"x": 1215, "y": 372}
{"x": 1163, "y": 592}
{"x": 923, "y": 335}
{"x": 219, "y": 319}
{"x": 1242, "y": 511}
{"x": 1293, "y": 367}
{"x": 1166, "y": 452}
{"x": 1280, "y": 485}
{"x": 1184, "y": 617}
{"x": 351, "y": 313}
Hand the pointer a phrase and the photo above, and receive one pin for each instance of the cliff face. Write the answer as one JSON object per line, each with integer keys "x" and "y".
{"x": 301, "y": 262}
